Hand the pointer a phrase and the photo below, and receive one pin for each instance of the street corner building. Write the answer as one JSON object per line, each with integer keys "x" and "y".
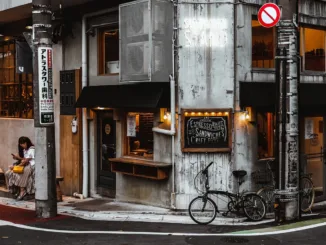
{"x": 149, "y": 92}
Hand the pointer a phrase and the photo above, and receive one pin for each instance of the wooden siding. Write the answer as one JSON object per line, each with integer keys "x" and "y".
{"x": 71, "y": 149}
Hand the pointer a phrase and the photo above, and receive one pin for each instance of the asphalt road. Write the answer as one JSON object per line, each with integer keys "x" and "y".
{"x": 12, "y": 236}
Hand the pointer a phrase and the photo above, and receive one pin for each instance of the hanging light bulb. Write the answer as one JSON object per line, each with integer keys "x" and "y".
{"x": 242, "y": 117}
{"x": 165, "y": 116}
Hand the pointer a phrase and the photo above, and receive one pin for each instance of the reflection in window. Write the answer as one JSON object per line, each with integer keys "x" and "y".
{"x": 109, "y": 51}
{"x": 314, "y": 49}
{"x": 16, "y": 90}
{"x": 265, "y": 128}
{"x": 140, "y": 134}
{"x": 262, "y": 46}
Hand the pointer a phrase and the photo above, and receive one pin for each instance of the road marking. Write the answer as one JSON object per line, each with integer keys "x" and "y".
{"x": 235, "y": 234}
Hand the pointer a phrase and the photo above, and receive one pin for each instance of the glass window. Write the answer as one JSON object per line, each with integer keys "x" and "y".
{"x": 16, "y": 90}
{"x": 265, "y": 128}
{"x": 313, "y": 49}
{"x": 140, "y": 134}
{"x": 263, "y": 43}
{"x": 109, "y": 51}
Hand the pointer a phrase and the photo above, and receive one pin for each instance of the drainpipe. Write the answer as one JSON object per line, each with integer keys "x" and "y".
{"x": 84, "y": 114}
{"x": 84, "y": 84}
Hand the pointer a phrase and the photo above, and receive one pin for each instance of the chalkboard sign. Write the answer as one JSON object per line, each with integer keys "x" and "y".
{"x": 206, "y": 133}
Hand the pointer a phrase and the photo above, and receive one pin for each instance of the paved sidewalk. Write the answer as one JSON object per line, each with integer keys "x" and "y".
{"x": 105, "y": 209}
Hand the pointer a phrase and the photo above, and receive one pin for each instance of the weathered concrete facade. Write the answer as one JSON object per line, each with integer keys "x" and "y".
{"x": 205, "y": 80}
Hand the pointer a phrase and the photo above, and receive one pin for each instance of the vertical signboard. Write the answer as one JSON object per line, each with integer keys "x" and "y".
{"x": 46, "y": 104}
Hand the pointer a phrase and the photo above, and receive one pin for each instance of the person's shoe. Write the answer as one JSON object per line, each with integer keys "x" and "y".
{"x": 20, "y": 197}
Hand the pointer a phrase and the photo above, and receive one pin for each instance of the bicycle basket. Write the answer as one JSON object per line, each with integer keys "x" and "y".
{"x": 262, "y": 177}
{"x": 199, "y": 183}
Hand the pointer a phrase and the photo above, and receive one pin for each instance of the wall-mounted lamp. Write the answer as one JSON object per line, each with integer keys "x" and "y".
{"x": 167, "y": 116}
{"x": 247, "y": 114}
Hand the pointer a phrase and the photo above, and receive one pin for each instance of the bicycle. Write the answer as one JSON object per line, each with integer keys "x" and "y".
{"x": 252, "y": 204}
{"x": 267, "y": 192}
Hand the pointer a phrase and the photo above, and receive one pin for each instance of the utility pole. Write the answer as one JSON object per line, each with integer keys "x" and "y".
{"x": 288, "y": 106}
{"x": 45, "y": 196}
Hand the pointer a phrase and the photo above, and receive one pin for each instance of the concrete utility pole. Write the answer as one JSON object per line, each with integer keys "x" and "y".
{"x": 45, "y": 196}
{"x": 289, "y": 107}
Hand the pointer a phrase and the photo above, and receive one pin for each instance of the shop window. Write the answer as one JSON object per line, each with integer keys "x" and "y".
{"x": 140, "y": 134}
{"x": 263, "y": 43}
{"x": 313, "y": 49}
{"x": 265, "y": 128}
{"x": 109, "y": 51}
{"x": 16, "y": 90}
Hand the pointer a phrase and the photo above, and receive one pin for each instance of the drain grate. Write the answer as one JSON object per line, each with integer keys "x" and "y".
{"x": 234, "y": 240}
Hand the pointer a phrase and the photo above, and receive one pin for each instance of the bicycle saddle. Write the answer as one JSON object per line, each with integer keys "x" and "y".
{"x": 239, "y": 173}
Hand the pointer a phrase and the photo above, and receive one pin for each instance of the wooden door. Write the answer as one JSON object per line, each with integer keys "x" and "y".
{"x": 70, "y": 143}
{"x": 106, "y": 149}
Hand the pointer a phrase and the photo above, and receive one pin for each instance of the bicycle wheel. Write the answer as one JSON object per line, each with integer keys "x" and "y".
{"x": 254, "y": 207}
{"x": 202, "y": 210}
{"x": 307, "y": 194}
{"x": 267, "y": 193}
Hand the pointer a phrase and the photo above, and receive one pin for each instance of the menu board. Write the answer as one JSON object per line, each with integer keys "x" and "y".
{"x": 206, "y": 133}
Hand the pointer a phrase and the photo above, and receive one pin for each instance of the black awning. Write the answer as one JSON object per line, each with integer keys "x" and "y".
{"x": 140, "y": 95}
{"x": 261, "y": 94}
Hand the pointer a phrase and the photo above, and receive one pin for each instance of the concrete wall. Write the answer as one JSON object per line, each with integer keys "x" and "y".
{"x": 245, "y": 140}
{"x": 8, "y": 4}
{"x": 11, "y": 130}
{"x": 206, "y": 80}
{"x": 72, "y": 50}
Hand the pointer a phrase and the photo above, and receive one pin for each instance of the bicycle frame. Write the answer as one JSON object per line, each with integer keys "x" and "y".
{"x": 237, "y": 198}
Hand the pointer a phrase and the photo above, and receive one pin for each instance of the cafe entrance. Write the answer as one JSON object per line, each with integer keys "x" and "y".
{"x": 313, "y": 159}
{"x": 106, "y": 132}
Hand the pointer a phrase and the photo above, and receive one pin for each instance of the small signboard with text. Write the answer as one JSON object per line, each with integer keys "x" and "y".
{"x": 131, "y": 126}
{"x": 206, "y": 130}
{"x": 46, "y": 104}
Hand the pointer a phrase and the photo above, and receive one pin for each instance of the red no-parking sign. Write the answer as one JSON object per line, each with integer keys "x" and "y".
{"x": 269, "y": 15}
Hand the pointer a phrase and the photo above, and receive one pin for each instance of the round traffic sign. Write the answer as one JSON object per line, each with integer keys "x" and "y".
{"x": 269, "y": 14}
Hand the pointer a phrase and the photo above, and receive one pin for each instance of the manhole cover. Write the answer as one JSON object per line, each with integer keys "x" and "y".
{"x": 234, "y": 240}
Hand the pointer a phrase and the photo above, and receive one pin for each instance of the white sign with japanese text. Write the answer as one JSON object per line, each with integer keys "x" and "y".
{"x": 46, "y": 104}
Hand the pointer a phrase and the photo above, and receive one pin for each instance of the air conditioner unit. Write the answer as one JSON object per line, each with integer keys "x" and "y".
{"x": 146, "y": 30}
{"x": 138, "y": 58}
{"x": 138, "y": 22}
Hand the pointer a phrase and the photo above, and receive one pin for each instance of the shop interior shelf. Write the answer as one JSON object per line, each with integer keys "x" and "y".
{"x": 140, "y": 168}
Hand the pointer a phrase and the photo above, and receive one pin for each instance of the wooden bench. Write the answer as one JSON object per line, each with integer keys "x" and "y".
{"x": 58, "y": 179}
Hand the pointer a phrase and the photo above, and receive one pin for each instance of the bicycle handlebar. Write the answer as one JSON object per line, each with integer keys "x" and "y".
{"x": 205, "y": 169}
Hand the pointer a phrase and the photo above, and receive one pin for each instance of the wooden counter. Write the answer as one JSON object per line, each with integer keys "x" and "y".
{"x": 140, "y": 167}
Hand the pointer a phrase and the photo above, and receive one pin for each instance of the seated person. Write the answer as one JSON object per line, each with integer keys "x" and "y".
{"x": 24, "y": 182}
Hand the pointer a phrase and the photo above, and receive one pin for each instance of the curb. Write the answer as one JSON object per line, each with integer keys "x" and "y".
{"x": 296, "y": 226}
{"x": 146, "y": 216}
